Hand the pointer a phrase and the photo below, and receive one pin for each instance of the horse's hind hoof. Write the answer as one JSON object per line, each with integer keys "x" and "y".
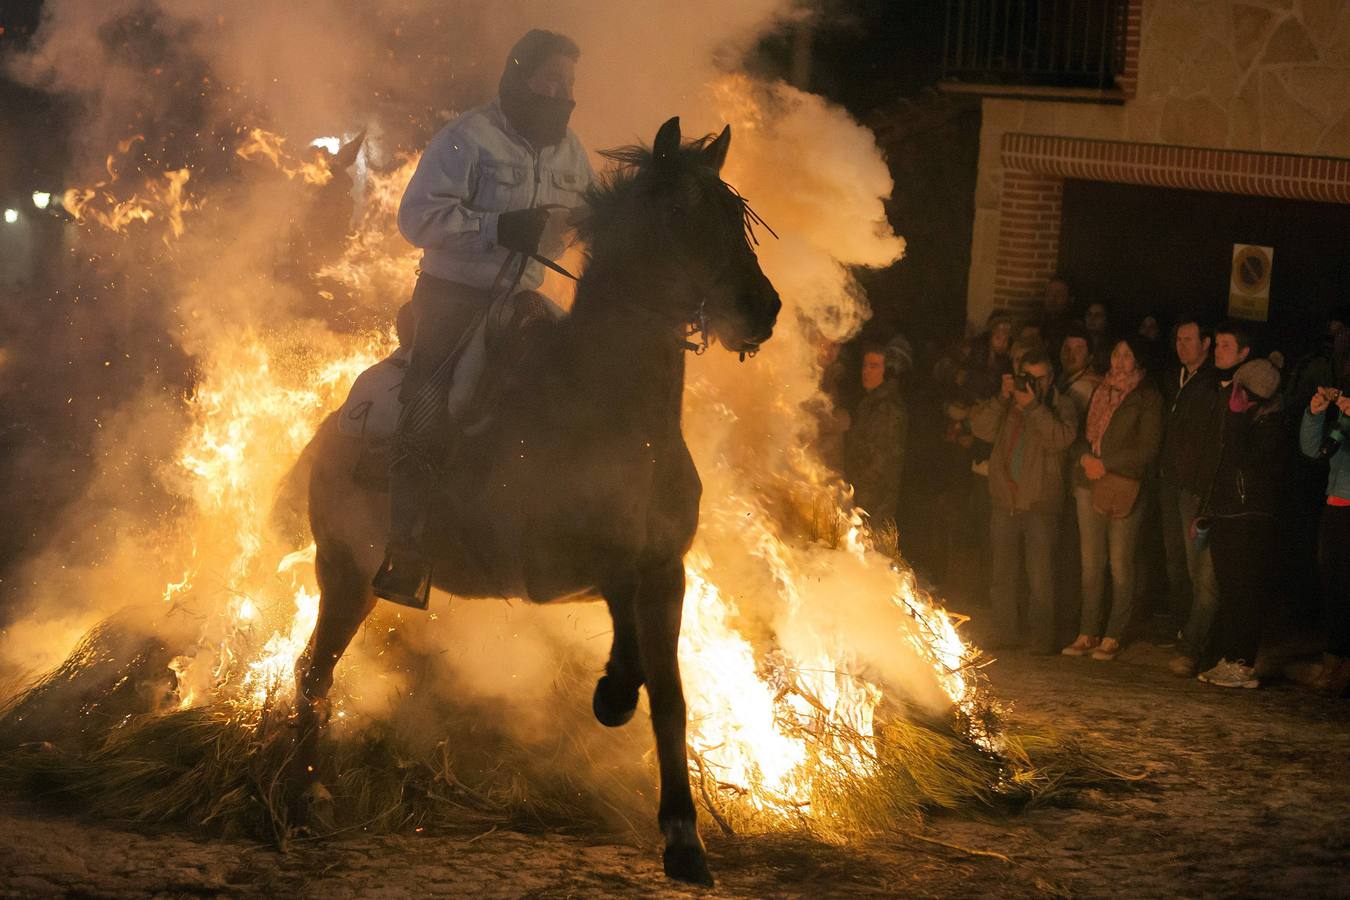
{"x": 614, "y": 701}
{"x": 688, "y": 863}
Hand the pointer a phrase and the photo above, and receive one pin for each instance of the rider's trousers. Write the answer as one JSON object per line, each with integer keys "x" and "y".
{"x": 444, "y": 311}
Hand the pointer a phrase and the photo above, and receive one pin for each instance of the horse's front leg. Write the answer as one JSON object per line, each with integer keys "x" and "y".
{"x": 616, "y": 694}
{"x": 657, "y": 606}
{"x": 345, "y": 601}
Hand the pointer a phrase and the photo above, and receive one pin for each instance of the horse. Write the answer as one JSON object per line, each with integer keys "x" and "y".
{"x": 582, "y": 484}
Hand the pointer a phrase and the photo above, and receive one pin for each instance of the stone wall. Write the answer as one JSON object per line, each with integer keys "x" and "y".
{"x": 1259, "y": 75}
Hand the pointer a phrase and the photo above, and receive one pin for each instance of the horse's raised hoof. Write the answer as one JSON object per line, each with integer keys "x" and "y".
{"x": 688, "y": 863}
{"x": 614, "y": 701}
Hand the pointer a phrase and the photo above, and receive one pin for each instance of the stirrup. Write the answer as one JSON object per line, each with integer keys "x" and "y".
{"x": 405, "y": 580}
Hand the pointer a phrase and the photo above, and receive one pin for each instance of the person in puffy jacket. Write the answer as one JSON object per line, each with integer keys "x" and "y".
{"x": 1333, "y": 545}
{"x": 1239, "y": 513}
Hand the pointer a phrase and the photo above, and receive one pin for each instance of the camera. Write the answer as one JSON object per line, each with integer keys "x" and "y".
{"x": 1337, "y": 425}
{"x": 1024, "y": 382}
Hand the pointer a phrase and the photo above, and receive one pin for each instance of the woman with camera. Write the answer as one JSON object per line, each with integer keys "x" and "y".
{"x": 1325, "y": 427}
{"x": 1117, "y": 449}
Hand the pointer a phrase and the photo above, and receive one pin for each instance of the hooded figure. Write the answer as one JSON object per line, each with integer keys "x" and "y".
{"x": 541, "y": 117}
{"x": 478, "y": 205}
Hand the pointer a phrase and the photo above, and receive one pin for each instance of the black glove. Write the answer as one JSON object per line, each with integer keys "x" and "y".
{"x": 521, "y": 229}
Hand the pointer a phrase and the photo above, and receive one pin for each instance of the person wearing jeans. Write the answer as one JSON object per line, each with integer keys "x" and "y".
{"x": 1191, "y": 416}
{"x": 1204, "y": 589}
{"x": 1119, "y": 444}
{"x": 1031, "y": 426}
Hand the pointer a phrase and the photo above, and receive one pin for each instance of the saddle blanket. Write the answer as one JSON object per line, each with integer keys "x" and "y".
{"x": 372, "y": 406}
{"x": 492, "y": 344}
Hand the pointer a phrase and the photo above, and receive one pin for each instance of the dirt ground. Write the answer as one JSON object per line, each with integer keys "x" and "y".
{"x": 1246, "y": 796}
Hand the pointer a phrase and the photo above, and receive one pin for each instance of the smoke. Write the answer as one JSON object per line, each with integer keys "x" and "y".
{"x": 186, "y": 479}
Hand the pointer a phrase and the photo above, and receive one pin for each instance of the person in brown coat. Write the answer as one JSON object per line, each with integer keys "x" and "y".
{"x": 1119, "y": 444}
{"x": 1031, "y": 426}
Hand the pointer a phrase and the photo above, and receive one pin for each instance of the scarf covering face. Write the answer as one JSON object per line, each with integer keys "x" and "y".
{"x": 540, "y": 120}
{"x": 1106, "y": 400}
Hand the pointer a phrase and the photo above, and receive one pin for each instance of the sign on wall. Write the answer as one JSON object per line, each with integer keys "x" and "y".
{"x": 1249, "y": 282}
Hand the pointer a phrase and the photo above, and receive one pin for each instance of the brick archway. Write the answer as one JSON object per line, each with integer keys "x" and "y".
{"x": 1035, "y": 166}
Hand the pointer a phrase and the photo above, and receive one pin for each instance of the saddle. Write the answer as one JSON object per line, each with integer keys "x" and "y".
{"x": 480, "y": 370}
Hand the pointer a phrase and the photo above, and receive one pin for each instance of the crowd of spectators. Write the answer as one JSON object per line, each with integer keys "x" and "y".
{"x": 1093, "y": 482}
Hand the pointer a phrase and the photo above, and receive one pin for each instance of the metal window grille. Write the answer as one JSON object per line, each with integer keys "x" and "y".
{"x": 1049, "y": 43}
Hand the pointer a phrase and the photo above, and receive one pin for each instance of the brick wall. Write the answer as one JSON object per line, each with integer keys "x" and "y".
{"x": 1028, "y": 237}
{"x": 1035, "y": 166}
{"x": 1128, "y": 80}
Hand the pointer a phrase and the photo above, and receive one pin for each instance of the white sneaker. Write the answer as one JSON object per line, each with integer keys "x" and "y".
{"x": 1231, "y": 675}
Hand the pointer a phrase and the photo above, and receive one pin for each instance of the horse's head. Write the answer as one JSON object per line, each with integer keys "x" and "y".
{"x": 694, "y": 235}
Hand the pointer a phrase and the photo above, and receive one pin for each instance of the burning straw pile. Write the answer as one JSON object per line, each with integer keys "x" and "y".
{"x": 826, "y": 691}
{"x": 89, "y": 736}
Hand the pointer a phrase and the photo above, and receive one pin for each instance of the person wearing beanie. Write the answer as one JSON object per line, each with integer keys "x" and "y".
{"x": 489, "y": 197}
{"x": 1238, "y": 514}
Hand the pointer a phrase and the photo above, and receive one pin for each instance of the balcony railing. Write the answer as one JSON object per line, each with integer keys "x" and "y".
{"x": 1035, "y": 43}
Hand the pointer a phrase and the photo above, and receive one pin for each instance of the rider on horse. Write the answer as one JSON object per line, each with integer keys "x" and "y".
{"x": 479, "y": 206}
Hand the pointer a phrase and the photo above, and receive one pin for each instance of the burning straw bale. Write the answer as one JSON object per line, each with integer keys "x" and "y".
{"x": 220, "y": 768}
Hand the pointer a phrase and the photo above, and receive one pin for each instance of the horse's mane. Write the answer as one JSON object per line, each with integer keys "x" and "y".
{"x": 609, "y": 194}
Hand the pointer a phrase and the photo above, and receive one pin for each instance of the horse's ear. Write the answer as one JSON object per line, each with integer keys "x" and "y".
{"x": 347, "y": 154}
{"x": 666, "y": 147}
{"x": 715, "y": 154}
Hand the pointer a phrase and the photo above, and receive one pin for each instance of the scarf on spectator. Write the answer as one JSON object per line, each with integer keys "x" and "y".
{"x": 1106, "y": 400}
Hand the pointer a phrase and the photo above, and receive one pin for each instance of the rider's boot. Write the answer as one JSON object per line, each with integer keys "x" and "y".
{"x": 405, "y": 575}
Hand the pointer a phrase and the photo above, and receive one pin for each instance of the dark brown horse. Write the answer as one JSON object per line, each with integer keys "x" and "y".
{"x": 583, "y": 484}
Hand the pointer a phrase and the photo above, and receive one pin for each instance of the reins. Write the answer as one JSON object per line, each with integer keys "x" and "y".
{"x": 697, "y": 326}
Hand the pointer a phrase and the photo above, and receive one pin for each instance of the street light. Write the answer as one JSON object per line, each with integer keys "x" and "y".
{"x": 42, "y": 199}
{"x": 11, "y": 216}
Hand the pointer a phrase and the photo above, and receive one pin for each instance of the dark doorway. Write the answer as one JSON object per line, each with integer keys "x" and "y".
{"x": 1143, "y": 249}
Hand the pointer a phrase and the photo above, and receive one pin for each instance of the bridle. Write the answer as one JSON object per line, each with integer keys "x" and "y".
{"x": 697, "y": 325}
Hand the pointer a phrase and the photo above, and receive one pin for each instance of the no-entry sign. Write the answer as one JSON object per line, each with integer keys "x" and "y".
{"x": 1249, "y": 283}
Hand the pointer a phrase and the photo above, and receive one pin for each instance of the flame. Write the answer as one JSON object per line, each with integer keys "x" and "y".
{"x": 773, "y": 714}
{"x": 165, "y": 197}
{"x": 252, "y": 415}
{"x": 272, "y": 148}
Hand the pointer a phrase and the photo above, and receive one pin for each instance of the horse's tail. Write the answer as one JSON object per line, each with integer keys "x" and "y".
{"x": 290, "y": 508}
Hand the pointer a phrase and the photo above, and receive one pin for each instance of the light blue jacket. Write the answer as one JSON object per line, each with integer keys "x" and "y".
{"x": 474, "y": 169}
{"x": 1310, "y": 439}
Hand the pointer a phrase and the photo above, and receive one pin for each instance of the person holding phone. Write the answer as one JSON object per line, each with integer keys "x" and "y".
{"x": 1323, "y": 434}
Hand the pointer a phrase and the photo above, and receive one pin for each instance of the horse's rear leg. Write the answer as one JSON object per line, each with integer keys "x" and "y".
{"x": 659, "y": 601}
{"x": 344, "y": 602}
{"x": 616, "y": 693}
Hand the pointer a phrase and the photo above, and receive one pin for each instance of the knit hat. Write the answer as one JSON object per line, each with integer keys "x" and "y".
{"x": 899, "y": 355}
{"x": 1259, "y": 377}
